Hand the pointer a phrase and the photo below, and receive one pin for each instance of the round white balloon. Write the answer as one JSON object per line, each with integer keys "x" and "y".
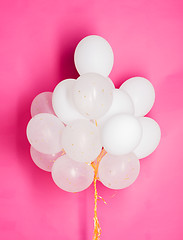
{"x": 62, "y": 102}
{"x": 121, "y": 134}
{"x": 81, "y": 141}
{"x": 44, "y": 132}
{"x": 72, "y": 176}
{"x": 142, "y": 94}
{"x": 94, "y": 54}
{"x": 118, "y": 172}
{"x": 93, "y": 95}
{"x": 151, "y": 135}
{"x": 121, "y": 103}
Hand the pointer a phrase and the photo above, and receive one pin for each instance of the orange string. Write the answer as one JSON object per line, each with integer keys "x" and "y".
{"x": 97, "y": 228}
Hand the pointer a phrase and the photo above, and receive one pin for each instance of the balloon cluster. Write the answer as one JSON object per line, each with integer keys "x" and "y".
{"x": 70, "y": 127}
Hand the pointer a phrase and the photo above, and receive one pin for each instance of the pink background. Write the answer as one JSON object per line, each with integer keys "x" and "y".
{"x": 37, "y": 41}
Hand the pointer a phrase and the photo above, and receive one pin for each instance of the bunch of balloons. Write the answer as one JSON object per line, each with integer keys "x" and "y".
{"x": 70, "y": 127}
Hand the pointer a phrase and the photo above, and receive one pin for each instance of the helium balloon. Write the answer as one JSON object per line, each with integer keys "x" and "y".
{"x": 118, "y": 172}
{"x": 121, "y": 134}
{"x": 43, "y": 161}
{"x": 94, "y": 54}
{"x": 81, "y": 141}
{"x": 72, "y": 176}
{"x": 44, "y": 132}
{"x": 62, "y": 102}
{"x": 151, "y": 135}
{"x": 121, "y": 103}
{"x": 42, "y": 103}
{"x": 92, "y": 95}
{"x": 142, "y": 94}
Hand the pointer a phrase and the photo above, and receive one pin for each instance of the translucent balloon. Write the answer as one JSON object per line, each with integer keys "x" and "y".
{"x": 81, "y": 141}
{"x": 72, "y": 176}
{"x": 151, "y": 135}
{"x": 62, "y": 102}
{"x": 142, "y": 94}
{"x": 42, "y": 103}
{"x": 44, "y": 132}
{"x": 118, "y": 172}
{"x": 94, "y": 54}
{"x": 43, "y": 161}
{"x": 121, "y": 103}
{"x": 92, "y": 95}
{"x": 121, "y": 134}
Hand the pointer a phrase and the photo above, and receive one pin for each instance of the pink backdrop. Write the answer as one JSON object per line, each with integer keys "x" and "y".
{"x": 37, "y": 40}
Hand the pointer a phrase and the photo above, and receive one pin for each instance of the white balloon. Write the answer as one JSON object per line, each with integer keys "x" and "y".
{"x": 121, "y": 134}
{"x": 142, "y": 94}
{"x": 81, "y": 141}
{"x": 62, "y": 102}
{"x": 94, "y": 54}
{"x": 93, "y": 95}
{"x": 121, "y": 103}
{"x": 72, "y": 176}
{"x": 44, "y": 132}
{"x": 151, "y": 135}
{"x": 118, "y": 172}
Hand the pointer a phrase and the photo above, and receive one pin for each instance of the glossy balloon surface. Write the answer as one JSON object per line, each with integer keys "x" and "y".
{"x": 81, "y": 141}
{"x": 121, "y": 134}
{"x": 72, "y": 176}
{"x": 44, "y": 132}
{"x": 92, "y": 95}
{"x": 118, "y": 172}
{"x": 94, "y": 54}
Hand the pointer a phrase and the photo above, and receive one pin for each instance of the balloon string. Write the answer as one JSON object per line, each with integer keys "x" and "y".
{"x": 97, "y": 228}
